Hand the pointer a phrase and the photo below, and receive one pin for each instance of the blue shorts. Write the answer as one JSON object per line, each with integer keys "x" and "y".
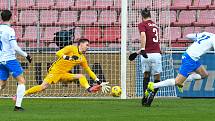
{"x": 11, "y": 66}
{"x": 188, "y": 65}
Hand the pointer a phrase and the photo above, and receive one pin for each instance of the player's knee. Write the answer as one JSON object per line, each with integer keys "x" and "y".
{"x": 44, "y": 86}
{"x": 178, "y": 83}
{"x": 80, "y": 76}
{"x": 205, "y": 76}
{"x": 21, "y": 81}
{"x": 146, "y": 74}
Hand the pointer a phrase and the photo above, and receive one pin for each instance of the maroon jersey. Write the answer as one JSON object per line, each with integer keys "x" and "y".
{"x": 152, "y": 36}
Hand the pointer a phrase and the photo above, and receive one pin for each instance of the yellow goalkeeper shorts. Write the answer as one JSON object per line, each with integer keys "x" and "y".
{"x": 55, "y": 78}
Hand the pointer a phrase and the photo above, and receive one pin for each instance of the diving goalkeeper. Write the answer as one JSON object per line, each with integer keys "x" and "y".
{"x": 68, "y": 57}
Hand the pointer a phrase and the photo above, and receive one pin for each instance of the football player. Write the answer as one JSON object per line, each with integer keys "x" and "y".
{"x": 68, "y": 57}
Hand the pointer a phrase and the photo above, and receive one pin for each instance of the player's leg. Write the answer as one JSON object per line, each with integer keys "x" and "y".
{"x": 202, "y": 72}
{"x": 146, "y": 68}
{"x": 152, "y": 95}
{"x": 156, "y": 70}
{"x": 4, "y": 74}
{"x": 194, "y": 76}
{"x": 82, "y": 79}
{"x": 38, "y": 88}
{"x": 188, "y": 65}
{"x": 20, "y": 92}
{"x": 49, "y": 79}
{"x": 146, "y": 80}
{"x": 178, "y": 81}
{"x": 16, "y": 69}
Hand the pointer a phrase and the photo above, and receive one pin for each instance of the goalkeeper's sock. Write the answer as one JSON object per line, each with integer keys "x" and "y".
{"x": 84, "y": 83}
{"x": 19, "y": 94}
{"x": 34, "y": 89}
{"x": 193, "y": 76}
{"x": 168, "y": 82}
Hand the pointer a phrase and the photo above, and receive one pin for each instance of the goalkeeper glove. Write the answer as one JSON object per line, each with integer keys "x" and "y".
{"x": 74, "y": 57}
{"x": 132, "y": 56}
{"x": 143, "y": 53}
{"x": 104, "y": 85}
{"x": 29, "y": 58}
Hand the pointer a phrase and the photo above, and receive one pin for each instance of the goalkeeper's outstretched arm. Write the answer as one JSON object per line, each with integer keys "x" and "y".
{"x": 88, "y": 70}
{"x": 104, "y": 85}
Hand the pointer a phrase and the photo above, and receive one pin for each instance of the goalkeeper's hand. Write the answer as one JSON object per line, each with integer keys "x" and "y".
{"x": 132, "y": 56}
{"x": 66, "y": 57}
{"x": 104, "y": 85}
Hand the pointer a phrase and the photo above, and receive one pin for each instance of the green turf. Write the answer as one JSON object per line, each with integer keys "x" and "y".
{"x": 109, "y": 110}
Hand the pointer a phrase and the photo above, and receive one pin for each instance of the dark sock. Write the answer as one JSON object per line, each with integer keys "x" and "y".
{"x": 145, "y": 84}
{"x": 151, "y": 97}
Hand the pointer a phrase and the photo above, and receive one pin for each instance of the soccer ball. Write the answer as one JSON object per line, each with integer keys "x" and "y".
{"x": 116, "y": 91}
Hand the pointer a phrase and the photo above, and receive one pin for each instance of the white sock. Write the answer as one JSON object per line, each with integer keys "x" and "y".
{"x": 165, "y": 83}
{"x": 19, "y": 94}
{"x": 193, "y": 76}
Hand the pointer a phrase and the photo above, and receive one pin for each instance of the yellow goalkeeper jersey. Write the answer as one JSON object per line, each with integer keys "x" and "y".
{"x": 64, "y": 66}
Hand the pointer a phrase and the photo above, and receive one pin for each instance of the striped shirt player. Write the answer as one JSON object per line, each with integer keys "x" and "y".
{"x": 191, "y": 68}
{"x": 8, "y": 62}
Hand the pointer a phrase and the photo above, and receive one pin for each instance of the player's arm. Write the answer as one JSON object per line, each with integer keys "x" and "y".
{"x": 13, "y": 43}
{"x": 192, "y": 36}
{"x": 104, "y": 85}
{"x": 63, "y": 52}
{"x": 143, "y": 44}
{"x": 84, "y": 64}
{"x": 143, "y": 40}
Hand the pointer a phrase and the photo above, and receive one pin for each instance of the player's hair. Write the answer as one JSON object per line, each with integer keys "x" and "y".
{"x": 146, "y": 13}
{"x": 6, "y": 15}
{"x": 82, "y": 40}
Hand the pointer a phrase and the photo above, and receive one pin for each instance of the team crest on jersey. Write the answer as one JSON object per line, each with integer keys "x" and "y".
{"x": 13, "y": 37}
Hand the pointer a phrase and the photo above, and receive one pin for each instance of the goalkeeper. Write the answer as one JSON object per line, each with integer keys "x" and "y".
{"x": 68, "y": 57}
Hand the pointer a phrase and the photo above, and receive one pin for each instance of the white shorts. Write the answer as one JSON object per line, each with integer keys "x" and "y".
{"x": 152, "y": 64}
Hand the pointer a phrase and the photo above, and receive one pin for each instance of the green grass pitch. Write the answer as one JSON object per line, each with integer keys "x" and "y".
{"x": 109, "y": 110}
